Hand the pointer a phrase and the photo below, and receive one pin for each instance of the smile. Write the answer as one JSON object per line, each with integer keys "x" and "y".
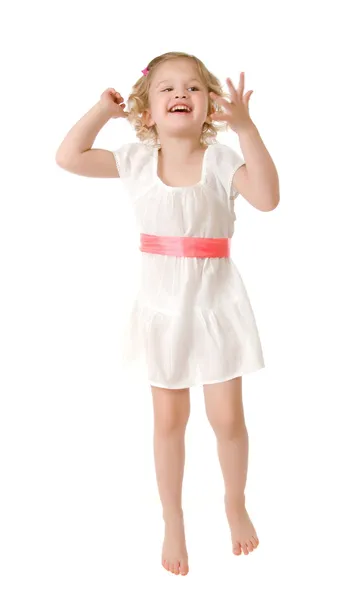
{"x": 180, "y": 108}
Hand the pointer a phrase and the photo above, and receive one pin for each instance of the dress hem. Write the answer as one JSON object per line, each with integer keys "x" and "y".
{"x": 200, "y": 383}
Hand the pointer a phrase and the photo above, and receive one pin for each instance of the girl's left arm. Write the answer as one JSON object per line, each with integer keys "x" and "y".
{"x": 258, "y": 180}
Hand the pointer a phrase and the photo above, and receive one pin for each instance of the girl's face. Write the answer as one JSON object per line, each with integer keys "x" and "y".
{"x": 177, "y": 82}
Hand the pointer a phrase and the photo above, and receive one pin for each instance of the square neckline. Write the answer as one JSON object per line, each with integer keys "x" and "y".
{"x": 181, "y": 187}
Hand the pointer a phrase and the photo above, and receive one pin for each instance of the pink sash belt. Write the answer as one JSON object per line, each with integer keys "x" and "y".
{"x": 193, "y": 247}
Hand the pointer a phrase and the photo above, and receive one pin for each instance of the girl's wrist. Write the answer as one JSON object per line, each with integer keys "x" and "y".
{"x": 103, "y": 111}
{"x": 247, "y": 129}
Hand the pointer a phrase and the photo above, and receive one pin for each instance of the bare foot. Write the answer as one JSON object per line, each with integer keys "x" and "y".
{"x": 243, "y": 535}
{"x": 175, "y": 556}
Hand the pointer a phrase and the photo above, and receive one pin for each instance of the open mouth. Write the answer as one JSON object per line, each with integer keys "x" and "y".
{"x": 181, "y": 109}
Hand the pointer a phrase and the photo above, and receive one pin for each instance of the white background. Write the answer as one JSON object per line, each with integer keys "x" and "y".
{"x": 79, "y": 510}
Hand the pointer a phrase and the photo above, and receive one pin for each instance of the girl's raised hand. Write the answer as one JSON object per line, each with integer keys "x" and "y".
{"x": 236, "y": 111}
{"x": 113, "y": 102}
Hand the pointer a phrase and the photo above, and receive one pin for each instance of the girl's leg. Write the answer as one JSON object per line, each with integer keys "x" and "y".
{"x": 225, "y": 413}
{"x": 171, "y": 414}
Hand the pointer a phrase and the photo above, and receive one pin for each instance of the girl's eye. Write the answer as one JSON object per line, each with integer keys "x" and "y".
{"x": 190, "y": 88}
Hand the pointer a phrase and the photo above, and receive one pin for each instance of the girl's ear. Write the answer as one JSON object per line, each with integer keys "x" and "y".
{"x": 147, "y": 119}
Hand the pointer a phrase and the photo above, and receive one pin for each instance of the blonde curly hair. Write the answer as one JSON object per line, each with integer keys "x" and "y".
{"x": 138, "y": 100}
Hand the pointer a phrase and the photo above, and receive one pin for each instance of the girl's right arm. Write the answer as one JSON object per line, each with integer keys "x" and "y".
{"x": 75, "y": 154}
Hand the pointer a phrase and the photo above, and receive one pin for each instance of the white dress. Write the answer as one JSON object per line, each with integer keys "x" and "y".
{"x": 191, "y": 322}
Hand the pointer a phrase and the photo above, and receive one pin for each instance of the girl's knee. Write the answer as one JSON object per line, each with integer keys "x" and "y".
{"x": 224, "y": 408}
{"x": 171, "y": 410}
{"x": 229, "y": 425}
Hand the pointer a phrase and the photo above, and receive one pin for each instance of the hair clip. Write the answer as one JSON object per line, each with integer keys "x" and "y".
{"x": 145, "y": 71}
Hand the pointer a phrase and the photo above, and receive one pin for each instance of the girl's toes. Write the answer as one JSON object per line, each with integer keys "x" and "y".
{"x": 176, "y": 568}
{"x": 245, "y": 549}
{"x": 237, "y": 549}
{"x": 184, "y": 569}
{"x": 250, "y": 546}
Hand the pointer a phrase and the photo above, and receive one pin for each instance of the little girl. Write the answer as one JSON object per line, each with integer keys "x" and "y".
{"x": 192, "y": 320}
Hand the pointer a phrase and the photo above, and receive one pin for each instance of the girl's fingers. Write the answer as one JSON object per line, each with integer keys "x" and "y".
{"x": 247, "y": 97}
{"x": 218, "y": 117}
{"x": 232, "y": 89}
{"x": 114, "y": 94}
{"x": 119, "y": 97}
{"x": 240, "y": 88}
{"x": 219, "y": 100}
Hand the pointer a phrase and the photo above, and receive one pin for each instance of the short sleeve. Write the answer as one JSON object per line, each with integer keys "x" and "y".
{"x": 127, "y": 157}
{"x": 228, "y": 161}
{"x": 130, "y": 159}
